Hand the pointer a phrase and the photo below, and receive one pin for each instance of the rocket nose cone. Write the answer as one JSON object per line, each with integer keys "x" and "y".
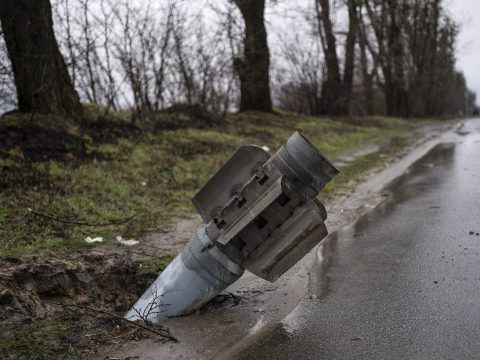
{"x": 191, "y": 280}
{"x": 177, "y": 290}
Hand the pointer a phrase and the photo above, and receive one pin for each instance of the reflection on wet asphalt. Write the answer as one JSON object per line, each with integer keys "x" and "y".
{"x": 404, "y": 281}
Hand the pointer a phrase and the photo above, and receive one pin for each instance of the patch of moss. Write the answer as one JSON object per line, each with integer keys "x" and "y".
{"x": 39, "y": 340}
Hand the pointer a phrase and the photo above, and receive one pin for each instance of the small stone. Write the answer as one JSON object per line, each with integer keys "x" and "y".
{"x": 313, "y": 297}
{"x": 435, "y": 282}
{"x": 471, "y": 232}
{"x": 6, "y": 297}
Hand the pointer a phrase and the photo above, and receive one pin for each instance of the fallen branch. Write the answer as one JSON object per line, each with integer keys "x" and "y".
{"x": 165, "y": 333}
{"x": 221, "y": 298}
{"x": 84, "y": 223}
{"x": 163, "y": 230}
{"x": 145, "y": 254}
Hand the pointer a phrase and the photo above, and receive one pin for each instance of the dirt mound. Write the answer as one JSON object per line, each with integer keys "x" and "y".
{"x": 33, "y": 287}
{"x": 41, "y": 142}
{"x": 106, "y": 130}
{"x": 363, "y": 121}
{"x": 187, "y": 116}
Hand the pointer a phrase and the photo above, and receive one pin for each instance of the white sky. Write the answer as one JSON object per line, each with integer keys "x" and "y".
{"x": 467, "y": 12}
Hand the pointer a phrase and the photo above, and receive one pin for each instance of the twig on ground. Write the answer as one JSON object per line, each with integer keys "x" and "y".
{"x": 145, "y": 254}
{"x": 165, "y": 333}
{"x": 84, "y": 223}
{"x": 221, "y": 298}
{"x": 163, "y": 230}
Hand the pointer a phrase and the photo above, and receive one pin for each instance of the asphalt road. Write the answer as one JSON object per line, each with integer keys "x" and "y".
{"x": 404, "y": 281}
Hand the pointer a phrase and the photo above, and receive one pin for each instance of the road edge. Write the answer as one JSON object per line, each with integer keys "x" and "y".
{"x": 349, "y": 208}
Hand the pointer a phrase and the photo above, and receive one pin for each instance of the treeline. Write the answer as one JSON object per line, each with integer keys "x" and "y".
{"x": 340, "y": 57}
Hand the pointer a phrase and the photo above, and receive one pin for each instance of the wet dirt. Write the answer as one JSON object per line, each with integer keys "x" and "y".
{"x": 40, "y": 295}
{"x": 34, "y": 286}
{"x": 106, "y": 277}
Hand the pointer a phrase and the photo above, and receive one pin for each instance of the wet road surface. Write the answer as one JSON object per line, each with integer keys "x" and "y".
{"x": 404, "y": 281}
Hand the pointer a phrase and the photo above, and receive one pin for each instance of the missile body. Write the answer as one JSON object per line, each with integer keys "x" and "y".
{"x": 260, "y": 214}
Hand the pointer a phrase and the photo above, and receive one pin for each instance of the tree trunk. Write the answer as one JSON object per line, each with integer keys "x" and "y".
{"x": 41, "y": 77}
{"x": 253, "y": 69}
{"x": 332, "y": 87}
{"x": 366, "y": 76}
{"x": 397, "y": 105}
{"x": 336, "y": 91}
{"x": 349, "y": 55}
{"x": 429, "y": 108}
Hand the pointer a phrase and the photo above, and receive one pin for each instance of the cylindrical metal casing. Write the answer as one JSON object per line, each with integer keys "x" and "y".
{"x": 299, "y": 160}
{"x": 261, "y": 215}
{"x": 193, "y": 278}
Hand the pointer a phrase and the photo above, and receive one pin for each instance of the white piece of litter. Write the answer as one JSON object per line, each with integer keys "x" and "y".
{"x": 89, "y": 240}
{"x": 126, "y": 242}
{"x": 266, "y": 148}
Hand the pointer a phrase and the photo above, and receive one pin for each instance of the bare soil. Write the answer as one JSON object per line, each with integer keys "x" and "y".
{"x": 36, "y": 294}
{"x": 37, "y": 291}
{"x": 32, "y": 287}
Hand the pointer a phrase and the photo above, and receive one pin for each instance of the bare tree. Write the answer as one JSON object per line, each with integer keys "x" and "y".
{"x": 337, "y": 90}
{"x": 253, "y": 68}
{"x": 363, "y": 57}
{"x": 7, "y": 82}
{"x": 300, "y": 78}
{"x": 368, "y": 68}
{"x": 41, "y": 78}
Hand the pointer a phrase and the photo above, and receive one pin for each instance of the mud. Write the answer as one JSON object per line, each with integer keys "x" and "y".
{"x": 107, "y": 277}
{"x": 34, "y": 287}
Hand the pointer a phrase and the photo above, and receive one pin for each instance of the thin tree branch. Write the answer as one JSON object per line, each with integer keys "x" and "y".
{"x": 165, "y": 333}
{"x": 84, "y": 223}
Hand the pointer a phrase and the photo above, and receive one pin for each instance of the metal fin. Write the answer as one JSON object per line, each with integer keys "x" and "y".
{"x": 237, "y": 170}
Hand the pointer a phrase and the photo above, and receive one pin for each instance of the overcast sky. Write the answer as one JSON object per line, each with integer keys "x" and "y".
{"x": 467, "y": 12}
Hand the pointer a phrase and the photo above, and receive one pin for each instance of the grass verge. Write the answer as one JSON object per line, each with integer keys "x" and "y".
{"x": 116, "y": 177}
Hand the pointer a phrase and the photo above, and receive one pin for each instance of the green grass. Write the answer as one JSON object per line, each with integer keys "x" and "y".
{"x": 40, "y": 340}
{"x": 360, "y": 166}
{"x": 154, "y": 173}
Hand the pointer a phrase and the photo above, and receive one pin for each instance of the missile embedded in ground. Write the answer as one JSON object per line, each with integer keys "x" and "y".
{"x": 260, "y": 213}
